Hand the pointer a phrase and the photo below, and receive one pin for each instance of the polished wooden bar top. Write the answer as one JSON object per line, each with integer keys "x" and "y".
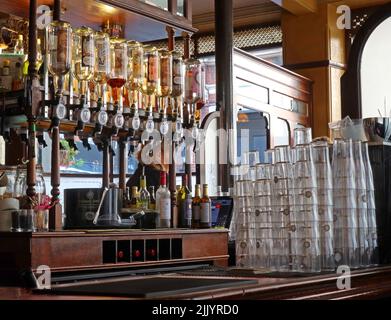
{"x": 370, "y": 283}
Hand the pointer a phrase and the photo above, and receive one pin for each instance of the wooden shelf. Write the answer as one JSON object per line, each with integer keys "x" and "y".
{"x": 98, "y": 250}
{"x": 142, "y": 22}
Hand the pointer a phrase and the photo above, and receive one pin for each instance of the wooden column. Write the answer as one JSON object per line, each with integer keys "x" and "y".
{"x": 186, "y": 45}
{"x": 32, "y": 104}
{"x": 186, "y": 116}
{"x": 173, "y": 7}
{"x": 314, "y": 47}
{"x": 224, "y": 76}
{"x": 188, "y": 9}
{"x": 106, "y": 165}
{"x": 111, "y": 165}
{"x": 55, "y": 216}
{"x": 172, "y": 166}
{"x": 123, "y": 164}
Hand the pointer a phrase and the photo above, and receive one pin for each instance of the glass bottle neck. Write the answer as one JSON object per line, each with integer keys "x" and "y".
{"x": 198, "y": 191}
{"x": 205, "y": 192}
{"x": 143, "y": 183}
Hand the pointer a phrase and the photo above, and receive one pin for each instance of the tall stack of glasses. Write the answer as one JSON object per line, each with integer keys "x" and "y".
{"x": 245, "y": 220}
{"x": 346, "y": 246}
{"x": 304, "y": 227}
{"x": 362, "y": 205}
{"x": 308, "y": 216}
{"x": 324, "y": 179}
{"x": 282, "y": 182}
{"x": 263, "y": 215}
{"x": 373, "y": 249}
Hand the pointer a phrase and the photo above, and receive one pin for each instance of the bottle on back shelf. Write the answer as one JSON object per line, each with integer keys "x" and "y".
{"x": 185, "y": 201}
{"x": 145, "y": 197}
{"x": 152, "y": 203}
{"x": 196, "y": 207}
{"x": 134, "y": 198}
{"x": 206, "y": 209}
{"x": 19, "y": 47}
{"x": 126, "y": 198}
{"x": 17, "y": 81}
{"x": 163, "y": 203}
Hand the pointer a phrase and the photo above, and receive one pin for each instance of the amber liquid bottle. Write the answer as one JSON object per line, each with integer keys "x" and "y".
{"x": 206, "y": 209}
{"x": 185, "y": 205}
{"x": 134, "y": 199}
{"x": 196, "y": 207}
{"x": 145, "y": 197}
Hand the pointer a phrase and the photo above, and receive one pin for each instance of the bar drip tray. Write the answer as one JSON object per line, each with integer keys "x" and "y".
{"x": 149, "y": 288}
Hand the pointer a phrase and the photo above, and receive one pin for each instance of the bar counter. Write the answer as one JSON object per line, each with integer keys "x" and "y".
{"x": 371, "y": 283}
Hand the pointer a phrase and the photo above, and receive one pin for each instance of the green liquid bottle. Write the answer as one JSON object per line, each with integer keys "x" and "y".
{"x": 145, "y": 197}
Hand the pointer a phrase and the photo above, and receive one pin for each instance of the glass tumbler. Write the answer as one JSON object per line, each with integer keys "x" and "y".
{"x": 263, "y": 215}
{"x": 302, "y": 136}
{"x": 244, "y": 223}
{"x": 346, "y": 249}
{"x": 324, "y": 178}
{"x": 282, "y": 200}
{"x": 304, "y": 226}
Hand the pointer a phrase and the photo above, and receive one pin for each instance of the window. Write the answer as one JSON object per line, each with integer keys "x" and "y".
{"x": 251, "y": 123}
{"x": 281, "y": 133}
{"x": 82, "y": 160}
{"x": 376, "y": 73}
{"x": 163, "y": 4}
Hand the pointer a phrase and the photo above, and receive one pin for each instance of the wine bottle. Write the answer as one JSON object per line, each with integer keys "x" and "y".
{"x": 196, "y": 207}
{"x": 185, "y": 201}
{"x": 206, "y": 209}
{"x": 145, "y": 197}
{"x": 163, "y": 203}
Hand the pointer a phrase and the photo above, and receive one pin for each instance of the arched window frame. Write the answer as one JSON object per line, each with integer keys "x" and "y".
{"x": 351, "y": 81}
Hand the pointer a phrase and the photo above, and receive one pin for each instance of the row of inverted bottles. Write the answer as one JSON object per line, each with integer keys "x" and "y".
{"x": 302, "y": 212}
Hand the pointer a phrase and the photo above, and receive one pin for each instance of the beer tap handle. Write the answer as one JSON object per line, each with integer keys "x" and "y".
{"x": 86, "y": 144}
{"x": 112, "y": 152}
{"x": 72, "y": 144}
{"x": 42, "y": 141}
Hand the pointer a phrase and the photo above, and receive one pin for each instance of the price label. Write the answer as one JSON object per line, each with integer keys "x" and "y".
{"x": 44, "y": 16}
{"x": 85, "y": 115}
{"x": 119, "y": 120}
{"x": 103, "y": 117}
{"x": 60, "y": 111}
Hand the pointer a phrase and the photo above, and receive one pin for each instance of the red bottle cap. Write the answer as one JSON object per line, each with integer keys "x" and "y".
{"x": 163, "y": 178}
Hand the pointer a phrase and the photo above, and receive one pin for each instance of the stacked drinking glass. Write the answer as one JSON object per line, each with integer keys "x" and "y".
{"x": 324, "y": 179}
{"x": 281, "y": 212}
{"x": 346, "y": 248}
{"x": 362, "y": 205}
{"x": 307, "y": 216}
{"x": 263, "y": 215}
{"x": 373, "y": 249}
{"x": 304, "y": 233}
{"x": 244, "y": 220}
